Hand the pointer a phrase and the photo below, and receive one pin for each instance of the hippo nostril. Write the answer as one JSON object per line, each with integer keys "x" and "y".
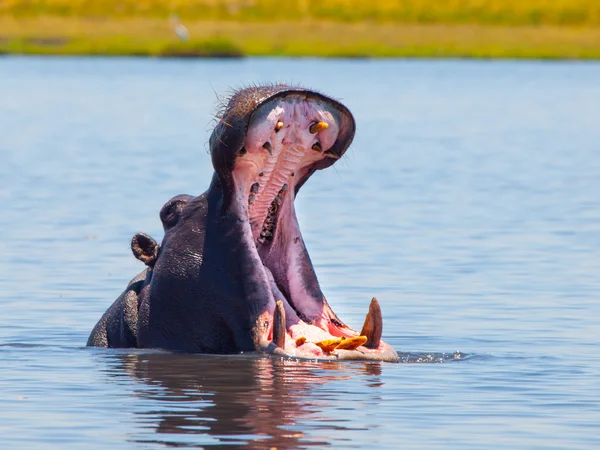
{"x": 242, "y": 152}
{"x": 317, "y": 147}
{"x": 267, "y": 147}
{"x": 278, "y": 125}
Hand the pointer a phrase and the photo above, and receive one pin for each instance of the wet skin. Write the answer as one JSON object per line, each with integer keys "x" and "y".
{"x": 232, "y": 273}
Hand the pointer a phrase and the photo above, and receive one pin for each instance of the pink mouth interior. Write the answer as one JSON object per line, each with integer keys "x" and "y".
{"x": 279, "y": 152}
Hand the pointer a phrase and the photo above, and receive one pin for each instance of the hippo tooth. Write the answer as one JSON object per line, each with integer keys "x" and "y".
{"x": 352, "y": 343}
{"x": 373, "y": 325}
{"x": 317, "y": 147}
{"x": 300, "y": 341}
{"x": 319, "y": 126}
{"x": 279, "y": 325}
{"x": 330, "y": 154}
{"x": 267, "y": 147}
{"x": 329, "y": 345}
{"x": 278, "y": 125}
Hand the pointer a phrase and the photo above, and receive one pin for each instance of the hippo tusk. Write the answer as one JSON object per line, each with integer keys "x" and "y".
{"x": 373, "y": 325}
{"x": 329, "y": 345}
{"x": 319, "y": 126}
{"x": 279, "y": 325}
{"x": 267, "y": 147}
{"x": 352, "y": 343}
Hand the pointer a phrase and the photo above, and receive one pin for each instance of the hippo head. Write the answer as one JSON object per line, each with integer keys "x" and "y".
{"x": 232, "y": 273}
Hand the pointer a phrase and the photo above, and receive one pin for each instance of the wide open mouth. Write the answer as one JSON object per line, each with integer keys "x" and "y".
{"x": 285, "y": 140}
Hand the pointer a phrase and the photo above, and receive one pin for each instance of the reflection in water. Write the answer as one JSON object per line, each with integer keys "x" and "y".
{"x": 253, "y": 400}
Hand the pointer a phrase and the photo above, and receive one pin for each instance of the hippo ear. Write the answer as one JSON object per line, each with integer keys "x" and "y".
{"x": 144, "y": 248}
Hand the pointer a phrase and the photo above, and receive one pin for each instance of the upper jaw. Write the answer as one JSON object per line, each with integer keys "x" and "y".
{"x": 286, "y": 138}
{"x": 250, "y": 105}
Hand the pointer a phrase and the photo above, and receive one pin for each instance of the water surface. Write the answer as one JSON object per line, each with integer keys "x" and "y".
{"x": 468, "y": 204}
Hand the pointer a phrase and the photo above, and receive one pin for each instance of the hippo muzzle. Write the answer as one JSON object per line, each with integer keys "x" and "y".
{"x": 232, "y": 273}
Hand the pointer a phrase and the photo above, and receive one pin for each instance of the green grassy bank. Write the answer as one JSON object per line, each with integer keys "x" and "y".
{"x": 346, "y": 28}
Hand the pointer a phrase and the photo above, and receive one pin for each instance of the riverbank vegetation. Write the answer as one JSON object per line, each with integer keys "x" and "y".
{"x": 345, "y": 28}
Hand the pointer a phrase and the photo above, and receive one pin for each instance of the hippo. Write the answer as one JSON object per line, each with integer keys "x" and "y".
{"x": 232, "y": 273}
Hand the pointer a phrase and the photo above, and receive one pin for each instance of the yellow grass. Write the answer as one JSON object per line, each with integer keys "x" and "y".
{"x": 152, "y": 36}
{"x": 376, "y": 28}
{"x": 506, "y": 12}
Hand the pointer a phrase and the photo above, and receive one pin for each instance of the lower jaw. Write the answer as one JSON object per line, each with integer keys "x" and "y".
{"x": 322, "y": 339}
{"x": 310, "y": 324}
{"x": 310, "y": 351}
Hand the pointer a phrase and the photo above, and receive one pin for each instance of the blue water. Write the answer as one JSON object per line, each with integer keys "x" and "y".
{"x": 469, "y": 205}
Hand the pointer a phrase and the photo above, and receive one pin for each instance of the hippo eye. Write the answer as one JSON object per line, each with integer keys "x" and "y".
{"x": 169, "y": 214}
{"x": 172, "y": 211}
